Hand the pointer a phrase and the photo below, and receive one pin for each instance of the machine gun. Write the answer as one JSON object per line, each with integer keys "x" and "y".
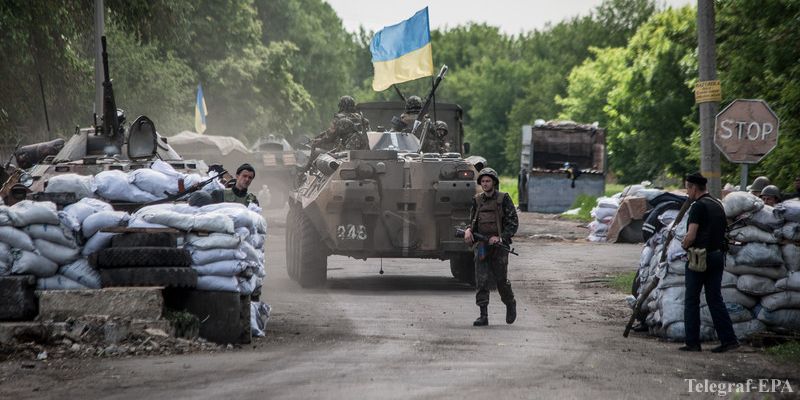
{"x": 110, "y": 121}
{"x": 428, "y": 100}
{"x": 482, "y": 238}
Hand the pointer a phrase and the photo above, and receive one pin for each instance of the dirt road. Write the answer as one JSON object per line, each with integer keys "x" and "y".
{"x": 408, "y": 334}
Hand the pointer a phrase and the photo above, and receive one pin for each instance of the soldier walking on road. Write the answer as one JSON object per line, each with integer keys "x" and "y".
{"x": 493, "y": 215}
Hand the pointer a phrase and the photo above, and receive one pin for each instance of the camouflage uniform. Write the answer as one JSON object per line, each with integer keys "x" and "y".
{"x": 413, "y": 107}
{"x": 435, "y": 138}
{"x": 347, "y": 130}
{"x": 233, "y": 195}
{"x": 493, "y": 215}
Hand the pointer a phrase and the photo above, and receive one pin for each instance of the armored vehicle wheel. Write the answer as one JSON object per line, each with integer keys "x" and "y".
{"x": 137, "y": 257}
{"x": 291, "y": 221}
{"x": 149, "y": 276}
{"x": 462, "y": 266}
{"x": 158, "y": 239}
{"x": 310, "y": 260}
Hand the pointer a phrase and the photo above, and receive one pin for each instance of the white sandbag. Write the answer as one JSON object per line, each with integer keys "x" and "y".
{"x": 210, "y": 222}
{"x": 791, "y": 282}
{"x": 757, "y": 254}
{"x": 86, "y": 207}
{"x": 222, "y": 206}
{"x": 223, "y": 268}
{"x": 668, "y": 216}
{"x": 5, "y": 215}
{"x": 26, "y": 262}
{"x": 756, "y": 285}
{"x": 113, "y": 185}
{"x": 737, "y": 313}
{"x": 675, "y": 251}
{"x": 608, "y": 202}
{"x": 744, "y": 330}
{"x": 103, "y": 219}
{"x": 218, "y": 283}
{"x": 212, "y": 241}
{"x": 646, "y": 256}
{"x": 787, "y": 318}
{"x": 97, "y": 242}
{"x": 255, "y": 208}
{"x": 5, "y": 268}
{"x": 601, "y": 213}
{"x": 598, "y": 228}
{"x": 140, "y": 223}
{"x": 791, "y": 256}
{"x": 80, "y": 271}
{"x": 28, "y": 212}
{"x": 244, "y": 218}
{"x": 52, "y": 233}
{"x": 733, "y": 295}
{"x": 738, "y": 203}
{"x": 749, "y": 233}
{"x": 259, "y": 316}
{"x": 257, "y": 240}
{"x": 649, "y": 194}
{"x": 155, "y": 209}
{"x": 5, "y": 253}
{"x": 789, "y": 210}
{"x": 781, "y": 300}
{"x": 58, "y": 282}
{"x": 166, "y": 169}
{"x": 81, "y": 185}
{"x": 248, "y": 285}
{"x": 765, "y": 219}
{"x": 790, "y": 231}
{"x": 153, "y": 182}
{"x": 190, "y": 180}
{"x": 68, "y": 222}
{"x": 213, "y": 186}
{"x": 728, "y": 279}
{"x": 767, "y": 272}
{"x": 16, "y": 238}
{"x": 677, "y": 267}
{"x": 55, "y": 252}
{"x": 201, "y": 257}
{"x": 677, "y": 332}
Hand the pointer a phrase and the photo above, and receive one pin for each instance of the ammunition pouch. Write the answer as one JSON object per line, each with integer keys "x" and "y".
{"x": 697, "y": 259}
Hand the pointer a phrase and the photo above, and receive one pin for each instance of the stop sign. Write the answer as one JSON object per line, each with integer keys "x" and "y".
{"x": 746, "y": 130}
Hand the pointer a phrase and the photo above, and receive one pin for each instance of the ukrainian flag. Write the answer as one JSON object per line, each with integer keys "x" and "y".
{"x": 200, "y": 112}
{"x": 402, "y": 52}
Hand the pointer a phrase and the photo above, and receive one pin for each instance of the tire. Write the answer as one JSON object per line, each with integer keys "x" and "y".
{"x": 291, "y": 221}
{"x": 159, "y": 239}
{"x": 138, "y": 257}
{"x": 462, "y": 266}
{"x": 311, "y": 259}
{"x": 150, "y": 276}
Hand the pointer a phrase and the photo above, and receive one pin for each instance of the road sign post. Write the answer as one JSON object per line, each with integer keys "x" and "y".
{"x": 746, "y": 131}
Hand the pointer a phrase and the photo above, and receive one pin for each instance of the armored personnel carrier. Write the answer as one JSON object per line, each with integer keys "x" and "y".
{"x": 389, "y": 201}
{"x": 276, "y": 162}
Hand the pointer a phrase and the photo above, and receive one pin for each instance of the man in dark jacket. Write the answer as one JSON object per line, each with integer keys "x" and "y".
{"x": 493, "y": 215}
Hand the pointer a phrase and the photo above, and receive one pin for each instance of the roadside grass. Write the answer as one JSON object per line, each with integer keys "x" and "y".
{"x": 613, "y": 188}
{"x": 623, "y": 282}
{"x": 787, "y": 352}
{"x": 585, "y": 203}
{"x": 508, "y": 184}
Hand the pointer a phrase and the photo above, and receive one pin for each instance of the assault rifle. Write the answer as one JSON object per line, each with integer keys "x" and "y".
{"x": 183, "y": 193}
{"x": 483, "y": 238}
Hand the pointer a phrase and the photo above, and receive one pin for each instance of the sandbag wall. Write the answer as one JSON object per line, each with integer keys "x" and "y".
{"x": 759, "y": 285}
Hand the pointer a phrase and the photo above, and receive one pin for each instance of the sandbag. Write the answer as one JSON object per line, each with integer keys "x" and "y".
{"x": 153, "y": 182}
{"x": 736, "y": 312}
{"x": 738, "y": 203}
{"x": 140, "y": 223}
{"x": 757, "y": 254}
{"x": 729, "y": 279}
{"x": 242, "y": 218}
{"x": 607, "y": 202}
{"x": 103, "y": 219}
{"x": 259, "y": 316}
{"x": 68, "y": 222}
{"x": 791, "y": 255}
{"x": 223, "y": 268}
{"x": 672, "y": 280}
{"x": 646, "y": 256}
{"x": 5, "y": 268}
{"x": 201, "y": 257}
{"x": 257, "y": 240}
{"x": 218, "y": 283}
{"x": 81, "y": 185}
{"x": 55, "y": 252}
{"x": 786, "y": 318}
{"x": 248, "y": 285}
{"x": 16, "y": 238}
{"x": 790, "y": 231}
{"x": 86, "y": 207}
{"x": 58, "y": 282}
{"x": 26, "y": 262}
{"x": 765, "y": 219}
{"x": 749, "y": 233}
{"x": 744, "y": 330}
{"x": 5, "y": 253}
{"x": 675, "y": 251}
{"x": 81, "y": 272}
{"x": 677, "y": 332}
{"x": 97, "y": 242}
{"x": 212, "y": 241}
{"x": 781, "y": 300}
{"x": 767, "y": 272}
{"x": 733, "y": 295}
{"x": 649, "y": 194}
{"x": 791, "y": 282}
{"x": 113, "y": 185}
{"x": 601, "y": 213}
{"x": 52, "y": 233}
{"x": 210, "y": 222}
{"x": 677, "y": 267}
{"x": 655, "y": 219}
{"x": 756, "y": 285}
{"x": 789, "y": 210}
{"x": 28, "y": 212}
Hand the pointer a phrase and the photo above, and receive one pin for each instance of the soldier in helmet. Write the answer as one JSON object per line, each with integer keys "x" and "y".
{"x": 435, "y": 138}
{"x": 348, "y": 129}
{"x": 758, "y": 185}
{"x": 413, "y": 108}
{"x": 493, "y": 215}
{"x": 771, "y": 195}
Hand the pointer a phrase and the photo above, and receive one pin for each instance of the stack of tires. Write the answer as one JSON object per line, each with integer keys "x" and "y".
{"x": 145, "y": 259}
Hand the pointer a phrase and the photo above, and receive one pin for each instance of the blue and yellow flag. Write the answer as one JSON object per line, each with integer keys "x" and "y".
{"x": 200, "y": 112}
{"x": 402, "y": 52}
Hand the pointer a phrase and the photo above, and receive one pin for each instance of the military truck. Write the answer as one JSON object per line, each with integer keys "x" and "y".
{"x": 276, "y": 164}
{"x": 388, "y": 201}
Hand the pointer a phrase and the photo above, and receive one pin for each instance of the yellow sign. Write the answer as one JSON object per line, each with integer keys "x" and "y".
{"x": 707, "y": 91}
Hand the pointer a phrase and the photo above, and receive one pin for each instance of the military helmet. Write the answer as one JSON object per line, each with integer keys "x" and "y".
{"x": 441, "y": 125}
{"x": 413, "y": 105}
{"x": 489, "y": 172}
{"x": 347, "y": 104}
{"x": 344, "y": 125}
{"x": 771, "y": 190}
{"x": 758, "y": 184}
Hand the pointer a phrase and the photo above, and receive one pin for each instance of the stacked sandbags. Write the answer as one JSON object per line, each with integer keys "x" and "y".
{"x": 602, "y": 216}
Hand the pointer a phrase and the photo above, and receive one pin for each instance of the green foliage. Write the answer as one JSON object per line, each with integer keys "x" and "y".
{"x": 787, "y": 352}
{"x": 584, "y": 203}
{"x": 623, "y": 282}
{"x": 613, "y": 188}
{"x": 508, "y": 184}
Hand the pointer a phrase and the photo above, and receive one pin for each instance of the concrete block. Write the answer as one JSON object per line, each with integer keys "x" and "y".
{"x": 145, "y": 303}
{"x": 18, "y": 300}
{"x": 24, "y": 332}
{"x": 224, "y": 316}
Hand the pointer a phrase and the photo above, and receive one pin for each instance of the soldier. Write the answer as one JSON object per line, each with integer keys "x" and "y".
{"x": 493, "y": 215}
{"x": 348, "y": 129}
{"x": 435, "y": 138}
{"x": 413, "y": 108}
{"x": 758, "y": 185}
{"x": 771, "y": 195}
{"x": 238, "y": 192}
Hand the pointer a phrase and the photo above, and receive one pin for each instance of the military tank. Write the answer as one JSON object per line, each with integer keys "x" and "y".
{"x": 388, "y": 201}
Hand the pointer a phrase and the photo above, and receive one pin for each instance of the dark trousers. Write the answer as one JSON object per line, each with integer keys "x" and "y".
{"x": 493, "y": 268}
{"x": 711, "y": 279}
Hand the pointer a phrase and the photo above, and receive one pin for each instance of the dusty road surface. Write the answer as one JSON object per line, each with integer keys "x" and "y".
{"x": 409, "y": 334}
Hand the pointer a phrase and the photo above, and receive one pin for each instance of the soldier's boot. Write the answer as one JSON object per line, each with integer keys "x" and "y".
{"x": 511, "y": 312}
{"x": 483, "y": 320}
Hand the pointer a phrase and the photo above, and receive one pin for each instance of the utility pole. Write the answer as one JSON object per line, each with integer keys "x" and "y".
{"x": 99, "y": 31}
{"x": 707, "y": 59}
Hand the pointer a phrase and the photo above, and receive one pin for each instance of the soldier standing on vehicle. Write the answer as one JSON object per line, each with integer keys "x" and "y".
{"x": 493, "y": 215}
{"x": 411, "y": 113}
{"x": 348, "y": 129}
{"x": 705, "y": 245}
{"x": 435, "y": 138}
{"x": 238, "y": 192}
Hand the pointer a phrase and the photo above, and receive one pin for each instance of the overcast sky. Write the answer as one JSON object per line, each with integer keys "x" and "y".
{"x": 512, "y": 16}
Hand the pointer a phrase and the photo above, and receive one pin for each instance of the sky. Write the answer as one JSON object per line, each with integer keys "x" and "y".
{"x": 512, "y": 16}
